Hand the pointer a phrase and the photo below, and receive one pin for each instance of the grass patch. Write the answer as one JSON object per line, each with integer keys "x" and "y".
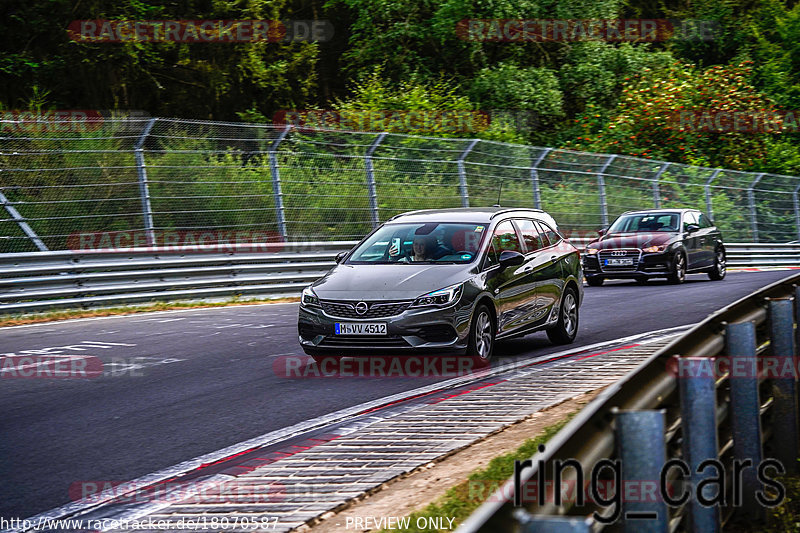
{"x": 461, "y": 501}
{"x": 52, "y": 316}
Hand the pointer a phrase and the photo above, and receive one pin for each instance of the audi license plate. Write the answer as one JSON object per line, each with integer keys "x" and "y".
{"x": 622, "y": 261}
{"x": 375, "y": 328}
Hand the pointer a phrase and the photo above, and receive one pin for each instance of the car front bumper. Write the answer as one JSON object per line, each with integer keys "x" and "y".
{"x": 650, "y": 265}
{"x": 414, "y": 330}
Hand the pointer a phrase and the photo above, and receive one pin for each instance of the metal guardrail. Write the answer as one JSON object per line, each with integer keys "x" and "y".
{"x": 660, "y": 411}
{"x": 38, "y": 281}
{"x": 49, "y": 280}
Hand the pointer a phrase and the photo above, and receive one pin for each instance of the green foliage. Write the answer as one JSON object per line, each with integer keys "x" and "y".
{"x": 657, "y": 117}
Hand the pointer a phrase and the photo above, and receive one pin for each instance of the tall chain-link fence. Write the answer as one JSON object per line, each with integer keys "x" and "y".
{"x": 67, "y": 185}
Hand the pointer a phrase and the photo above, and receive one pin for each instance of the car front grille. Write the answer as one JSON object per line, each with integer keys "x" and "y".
{"x": 631, "y": 253}
{"x": 341, "y": 309}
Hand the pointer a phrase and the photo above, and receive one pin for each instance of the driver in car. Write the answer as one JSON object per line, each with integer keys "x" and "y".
{"x": 425, "y": 248}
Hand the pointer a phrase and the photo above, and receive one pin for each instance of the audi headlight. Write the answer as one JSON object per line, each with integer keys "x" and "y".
{"x": 653, "y": 249}
{"x": 439, "y": 298}
{"x": 591, "y": 251}
{"x": 308, "y": 298}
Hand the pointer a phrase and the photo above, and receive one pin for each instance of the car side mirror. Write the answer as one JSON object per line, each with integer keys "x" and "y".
{"x": 601, "y": 232}
{"x": 340, "y": 256}
{"x": 509, "y": 258}
{"x": 691, "y": 228}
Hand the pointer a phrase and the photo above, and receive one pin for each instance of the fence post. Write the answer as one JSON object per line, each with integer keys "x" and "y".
{"x": 371, "y": 190}
{"x": 656, "y": 191}
{"x": 698, "y": 398}
{"x": 20, "y": 220}
{"x": 745, "y": 412}
{"x": 751, "y": 197}
{"x": 537, "y": 196}
{"x": 277, "y": 193}
{"x": 784, "y": 387}
{"x": 462, "y": 173}
{"x": 601, "y": 186}
{"x": 144, "y": 189}
{"x": 642, "y": 453}
{"x": 708, "y": 192}
{"x": 797, "y": 209}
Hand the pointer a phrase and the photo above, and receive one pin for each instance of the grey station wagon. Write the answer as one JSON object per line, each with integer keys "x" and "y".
{"x": 446, "y": 280}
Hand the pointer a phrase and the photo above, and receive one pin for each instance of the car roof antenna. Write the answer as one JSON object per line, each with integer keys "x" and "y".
{"x": 499, "y": 191}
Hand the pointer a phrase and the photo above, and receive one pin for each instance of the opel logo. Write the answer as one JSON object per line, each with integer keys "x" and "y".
{"x": 361, "y": 308}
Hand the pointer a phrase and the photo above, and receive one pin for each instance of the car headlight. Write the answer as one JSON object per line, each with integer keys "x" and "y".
{"x": 442, "y": 297}
{"x": 309, "y": 298}
{"x": 652, "y": 249}
{"x": 591, "y": 251}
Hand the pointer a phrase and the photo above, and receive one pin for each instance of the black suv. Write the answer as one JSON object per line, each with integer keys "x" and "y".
{"x": 446, "y": 280}
{"x": 667, "y": 243}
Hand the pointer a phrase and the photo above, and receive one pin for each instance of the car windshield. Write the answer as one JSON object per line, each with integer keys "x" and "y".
{"x": 431, "y": 242}
{"x": 646, "y": 222}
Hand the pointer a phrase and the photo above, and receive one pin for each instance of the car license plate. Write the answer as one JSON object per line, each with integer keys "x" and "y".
{"x": 625, "y": 261}
{"x": 375, "y": 328}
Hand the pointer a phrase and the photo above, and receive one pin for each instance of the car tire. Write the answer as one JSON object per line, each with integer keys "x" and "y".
{"x": 594, "y": 281}
{"x": 566, "y": 328}
{"x": 678, "y": 270}
{"x": 719, "y": 269}
{"x": 482, "y": 332}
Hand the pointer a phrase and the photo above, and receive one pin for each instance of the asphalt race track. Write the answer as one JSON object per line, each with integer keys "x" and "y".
{"x": 176, "y": 385}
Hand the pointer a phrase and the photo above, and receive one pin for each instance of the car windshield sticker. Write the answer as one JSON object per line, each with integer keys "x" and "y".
{"x": 466, "y": 256}
{"x": 478, "y": 229}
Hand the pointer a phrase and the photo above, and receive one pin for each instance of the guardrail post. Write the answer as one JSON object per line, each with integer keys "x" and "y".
{"x": 740, "y": 346}
{"x": 371, "y": 190}
{"x": 642, "y": 453}
{"x": 601, "y": 186}
{"x": 708, "y": 192}
{"x": 751, "y": 198}
{"x": 20, "y": 220}
{"x": 698, "y": 397}
{"x": 551, "y": 524}
{"x": 537, "y": 196}
{"x": 797, "y": 209}
{"x": 656, "y": 191}
{"x": 786, "y": 444}
{"x": 277, "y": 193}
{"x": 144, "y": 189}
{"x": 462, "y": 173}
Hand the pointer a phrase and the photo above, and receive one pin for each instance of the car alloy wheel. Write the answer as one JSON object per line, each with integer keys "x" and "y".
{"x": 718, "y": 272}
{"x": 567, "y": 326}
{"x": 678, "y": 269}
{"x": 481, "y": 342}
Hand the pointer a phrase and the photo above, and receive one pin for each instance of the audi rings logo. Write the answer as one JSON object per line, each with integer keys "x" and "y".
{"x": 361, "y": 308}
{"x": 618, "y": 253}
